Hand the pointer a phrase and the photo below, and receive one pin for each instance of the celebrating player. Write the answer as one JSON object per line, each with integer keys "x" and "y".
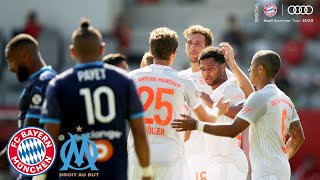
{"x": 164, "y": 92}
{"x": 270, "y": 115}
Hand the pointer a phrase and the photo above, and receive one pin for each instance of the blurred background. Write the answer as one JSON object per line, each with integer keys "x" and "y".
{"x": 126, "y": 25}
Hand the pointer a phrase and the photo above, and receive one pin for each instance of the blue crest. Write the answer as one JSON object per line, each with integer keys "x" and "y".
{"x": 73, "y": 150}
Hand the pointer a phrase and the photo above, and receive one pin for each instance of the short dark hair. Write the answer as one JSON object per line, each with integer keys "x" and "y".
{"x": 86, "y": 39}
{"x": 114, "y": 59}
{"x": 270, "y": 60}
{"x": 22, "y": 40}
{"x": 212, "y": 52}
{"x": 163, "y": 42}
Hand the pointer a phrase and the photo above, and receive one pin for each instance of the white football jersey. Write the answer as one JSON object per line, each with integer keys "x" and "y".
{"x": 196, "y": 143}
{"x": 164, "y": 92}
{"x": 270, "y": 113}
{"x": 217, "y": 145}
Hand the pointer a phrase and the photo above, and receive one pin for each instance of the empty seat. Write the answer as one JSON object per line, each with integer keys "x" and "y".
{"x": 293, "y": 51}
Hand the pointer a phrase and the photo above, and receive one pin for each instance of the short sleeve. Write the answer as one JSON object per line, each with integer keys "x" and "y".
{"x": 295, "y": 116}
{"x": 253, "y": 108}
{"x": 51, "y": 110}
{"x": 192, "y": 95}
{"x": 234, "y": 94}
{"x": 135, "y": 106}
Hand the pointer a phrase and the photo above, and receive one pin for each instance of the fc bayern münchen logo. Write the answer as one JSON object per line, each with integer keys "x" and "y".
{"x": 270, "y": 10}
{"x": 31, "y": 151}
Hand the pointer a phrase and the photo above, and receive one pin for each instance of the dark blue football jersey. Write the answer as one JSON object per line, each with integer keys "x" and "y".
{"x": 32, "y": 98}
{"x": 33, "y": 94}
{"x": 92, "y": 102}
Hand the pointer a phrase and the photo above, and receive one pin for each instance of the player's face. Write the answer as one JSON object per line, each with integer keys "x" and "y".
{"x": 14, "y": 59}
{"x": 195, "y": 44}
{"x": 212, "y": 72}
{"x": 253, "y": 73}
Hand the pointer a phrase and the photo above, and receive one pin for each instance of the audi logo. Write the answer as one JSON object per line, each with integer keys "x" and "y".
{"x": 300, "y": 10}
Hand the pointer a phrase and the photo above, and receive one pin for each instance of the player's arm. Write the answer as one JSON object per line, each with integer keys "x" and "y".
{"x": 230, "y": 130}
{"x": 241, "y": 78}
{"x": 296, "y": 138}
{"x": 136, "y": 120}
{"x": 140, "y": 141}
{"x": 211, "y": 116}
{"x": 54, "y": 130}
{"x": 4, "y": 164}
{"x": 232, "y": 111}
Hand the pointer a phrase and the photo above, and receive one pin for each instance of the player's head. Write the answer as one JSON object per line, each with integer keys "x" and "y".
{"x": 197, "y": 38}
{"x": 87, "y": 44}
{"x": 163, "y": 43}
{"x": 212, "y": 65}
{"x": 20, "y": 53}
{"x": 117, "y": 59}
{"x": 146, "y": 60}
{"x": 265, "y": 64}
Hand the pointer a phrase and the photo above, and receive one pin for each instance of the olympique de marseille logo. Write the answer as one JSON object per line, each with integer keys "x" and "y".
{"x": 31, "y": 151}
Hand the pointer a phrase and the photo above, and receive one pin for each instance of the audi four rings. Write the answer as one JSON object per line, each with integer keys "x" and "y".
{"x": 300, "y": 10}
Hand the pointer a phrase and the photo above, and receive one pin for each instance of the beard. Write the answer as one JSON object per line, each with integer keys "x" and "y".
{"x": 192, "y": 59}
{"x": 22, "y": 74}
{"x": 218, "y": 79}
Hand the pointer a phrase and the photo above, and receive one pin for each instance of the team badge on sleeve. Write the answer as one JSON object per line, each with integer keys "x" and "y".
{"x": 31, "y": 151}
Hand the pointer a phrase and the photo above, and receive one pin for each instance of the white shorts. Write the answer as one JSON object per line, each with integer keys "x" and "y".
{"x": 198, "y": 165}
{"x": 229, "y": 167}
{"x": 177, "y": 171}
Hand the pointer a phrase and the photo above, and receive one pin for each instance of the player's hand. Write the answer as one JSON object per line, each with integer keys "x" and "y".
{"x": 40, "y": 177}
{"x": 222, "y": 106}
{"x": 206, "y": 99}
{"x": 185, "y": 124}
{"x": 146, "y": 178}
{"x": 228, "y": 52}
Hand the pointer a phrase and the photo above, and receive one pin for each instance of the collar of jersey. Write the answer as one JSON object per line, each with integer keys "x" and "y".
{"x": 94, "y": 63}
{"x": 161, "y": 66}
{"x": 39, "y": 72}
{"x": 270, "y": 85}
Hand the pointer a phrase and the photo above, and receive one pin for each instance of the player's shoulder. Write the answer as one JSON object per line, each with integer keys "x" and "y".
{"x": 185, "y": 72}
{"x": 140, "y": 71}
{"x": 259, "y": 96}
{"x": 59, "y": 78}
{"x": 231, "y": 87}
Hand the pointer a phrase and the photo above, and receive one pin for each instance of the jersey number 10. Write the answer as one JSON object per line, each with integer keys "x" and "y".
{"x": 93, "y": 104}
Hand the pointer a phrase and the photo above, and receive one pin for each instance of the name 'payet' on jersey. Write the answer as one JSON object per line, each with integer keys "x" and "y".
{"x": 91, "y": 74}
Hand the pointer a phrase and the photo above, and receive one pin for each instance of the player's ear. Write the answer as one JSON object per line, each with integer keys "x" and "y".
{"x": 223, "y": 65}
{"x": 102, "y": 48}
{"x": 261, "y": 68}
{"x": 150, "y": 51}
{"x": 72, "y": 52}
{"x": 174, "y": 53}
